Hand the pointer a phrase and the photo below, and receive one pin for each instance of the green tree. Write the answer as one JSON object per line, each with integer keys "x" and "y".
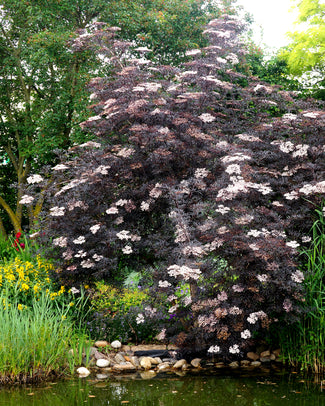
{"x": 43, "y": 95}
{"x": 167, "y": 27}
{"x": 42, "y": 90}
{"x": 306, "y": 53}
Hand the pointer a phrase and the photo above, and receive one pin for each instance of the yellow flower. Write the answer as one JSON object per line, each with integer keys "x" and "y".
{"x": 24, "y": 286}
{"x": 71, "y": 304}
{"x": 37, "y": 288}
{"x": 20, "y": 307}
{"x": 86, "y": 286}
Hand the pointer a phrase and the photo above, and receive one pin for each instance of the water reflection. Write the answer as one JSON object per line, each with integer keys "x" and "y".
{"x": 171, "y": 390}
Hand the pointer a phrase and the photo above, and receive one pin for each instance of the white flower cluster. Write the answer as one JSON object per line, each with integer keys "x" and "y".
{"x": 235, "y": 311}
{"x": 193, "y": 52}
{"x": 94, "y": 228}
{"x": 91, "y": 144}
{"x": 124, "y": 235}
{"x": 297, "y": 276}
{"x": 234, "y": 349}
{"x": 145, "y": 206}
{"x": 26, "y": 199}
{"x": 127, "y": 250}
{"x": 292, "y": 244}
{"x": 60, "y": 167}
{"x": 222, "y": 296}
{"x": 87, "y": 264}
{"x": 201, "y": 173}
{"x": 34, "y": 179}
{"x": 249, "y": 138}
{"x": 163, "y": 284}
{"x": 262, "y": 278}
{"x": 60, "y": 242}
{"x": 289, "y": 117}
{"x": 214, "y": 349}
{"x": 97, "y": 257}
{"x": 102, "y": 169}
{"x": 125, "y": 152}
{"x": 232, "y": 58}
{"x": 147, "y": 87}
{"x": 222, "y": 209}
{"x": 80, "y": 254}
{"x": 140, "y": 319}
{"x": 57, "y": 211}
{"x": 245, "y": 334}
{"x": 253, "y": 317}
{"x": 156, "y": 191}
{"x": 112, "y": 210}
{"x": 196, "y": 251}
{"x": 233, "y": 169}
{"x": 80, "y": 240}
{"x": 207, "y": 118}
{"x": 311, "y": 114}
{"x": 184, "y": 271}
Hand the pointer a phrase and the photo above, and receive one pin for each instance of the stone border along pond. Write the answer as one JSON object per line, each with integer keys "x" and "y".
{"x": 150, "y": 360}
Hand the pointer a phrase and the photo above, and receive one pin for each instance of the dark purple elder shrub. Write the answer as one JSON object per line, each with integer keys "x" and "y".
{"x": 203, "y": 177}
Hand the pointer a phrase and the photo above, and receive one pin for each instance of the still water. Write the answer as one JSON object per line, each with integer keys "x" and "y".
{"x": 223, "y": 389}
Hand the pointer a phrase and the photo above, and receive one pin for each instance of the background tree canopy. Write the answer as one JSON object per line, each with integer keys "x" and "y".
{"x": 43, "y": 95}
{"x": 305, "y": 55}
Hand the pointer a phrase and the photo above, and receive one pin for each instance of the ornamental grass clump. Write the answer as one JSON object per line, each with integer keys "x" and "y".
{"x": 34, "y": 341}
{"x": 303, "y": 343}
{"x": 196, "y": 179}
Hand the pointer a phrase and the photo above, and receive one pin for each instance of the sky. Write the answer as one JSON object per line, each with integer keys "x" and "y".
{"x": 274, "y": 17}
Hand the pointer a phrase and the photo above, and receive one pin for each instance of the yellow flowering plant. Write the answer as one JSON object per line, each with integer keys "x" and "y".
{"x": 24, "y": 281}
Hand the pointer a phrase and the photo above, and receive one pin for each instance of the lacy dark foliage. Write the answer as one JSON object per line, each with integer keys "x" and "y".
{"x": 205, "y": 176}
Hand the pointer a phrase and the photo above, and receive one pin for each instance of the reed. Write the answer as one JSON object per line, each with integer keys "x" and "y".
{"x": 34, "y": 341}
{"x": 303, "y": 343}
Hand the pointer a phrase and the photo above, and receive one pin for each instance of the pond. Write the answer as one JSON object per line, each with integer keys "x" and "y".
{"x": 226, "y": 389}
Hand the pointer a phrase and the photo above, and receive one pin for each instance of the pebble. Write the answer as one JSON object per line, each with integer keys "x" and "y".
{"x": 119, "y": 358}
{"x": 145, "y": 363}
{"x": 253, "y": 356}
{"x": 179, "y": 364}
{"x": 102, "y": 363}
{"x": 83, "y": 372}
{"x": 196, "y": 362}
{"x": 127, "y": 366}
{"x": 100, "y": 344}
{"x": 116, "y": 344}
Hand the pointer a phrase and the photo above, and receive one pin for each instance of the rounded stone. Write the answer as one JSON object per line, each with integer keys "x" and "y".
{"x": 165, "y": 366}
{"x": 148, "y": 374}
{"x": 101, "y": 344}
{"x": 102, "y": 376}
{"x": 82, "y": 371}
{"x": 196, "y": 362}
{"x": 145, "y": 363}
{"x": 179, "y": 364}
{"x": 116, "y": 344}
{"x": 253, "y": 356}
{"x": 102, "y": 363}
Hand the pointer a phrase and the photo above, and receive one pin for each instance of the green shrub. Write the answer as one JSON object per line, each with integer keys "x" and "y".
{"x": 115, "y": 314}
